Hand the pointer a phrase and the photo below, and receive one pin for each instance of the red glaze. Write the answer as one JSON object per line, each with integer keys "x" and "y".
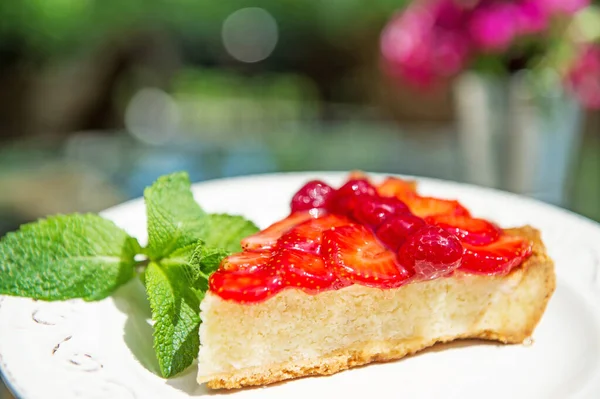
{"x": 374, "y": 210}
{"x": 497, "y": 258}
{"x": 245, "y": 286}
{"x": 394, "y": 231}
{"x": 394, "y": 187}
{"x": 344, "y": 200}
{"x": 429, "y": 206}
{"x": 307, "y": 235}
{"x": 356, "y": 256}
{"x": 470, "y": 230}
{"x": 267, "y": 238}
{"x": 382, "y": 236}
{"x": 431, "y": 252}
{"x": 249, "y": 261}
{"x": 304, "y": 270}
{"x": 314, "y": 194}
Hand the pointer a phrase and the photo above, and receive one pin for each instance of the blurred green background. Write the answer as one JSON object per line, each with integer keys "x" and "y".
{"x": 99, "y": 97}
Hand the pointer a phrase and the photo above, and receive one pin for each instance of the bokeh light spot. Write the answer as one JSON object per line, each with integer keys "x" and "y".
{"x": 152, "y": 116}
{"x": 250, "y": 34}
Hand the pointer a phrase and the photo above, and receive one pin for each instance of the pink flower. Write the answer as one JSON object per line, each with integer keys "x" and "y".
{"x": 560, "y": 6}
{"x": 583, "y": 79}
{"x": 493, "y": 27}
{"x": 567, "y": 6}
{"x": 424, "y": 44}
{"x": 531, "y": 17}
{"x": 448, "y": 14}
{"x": 404, "y": 46}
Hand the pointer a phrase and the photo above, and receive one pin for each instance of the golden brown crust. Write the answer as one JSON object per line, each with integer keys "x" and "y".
{"x": 530, "y": 298}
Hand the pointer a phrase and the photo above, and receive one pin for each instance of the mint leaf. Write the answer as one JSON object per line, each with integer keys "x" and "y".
{"x": 66, "y": 256}
{"x": 226, "y": 231}
{"x": 203, "y": 262}
{"x": 175, "y": 220}
{"x": 175, "y": 287}
{"x": 175, "y": 311}
{"x": 180, "y": 257}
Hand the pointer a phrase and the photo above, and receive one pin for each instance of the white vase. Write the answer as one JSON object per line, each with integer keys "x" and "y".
{"x": 516, "y": 137}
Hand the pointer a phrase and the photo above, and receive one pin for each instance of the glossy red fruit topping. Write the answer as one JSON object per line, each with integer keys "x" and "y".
{"x": 245, "y": 286}
{"x": 267, "y": 238}
{"x": 374, "y": 210}
{"x": 394, "y": 187}
{"x": 249, "y": 261}
{"x": 314, "y": 194}
{"x": 304, "y": 270}
{"x": 429, "y": 206}
{"x": 307, "y": 236}
{"x": 356, "y": 256}
{"x": 344, "y": 199}
{"x": 470, "y": 230}
{"x": 497, "y": 258}
{"x": 357, "y": 174}
{"x": 431, "y": 252}
{"x": 394, "y": 231}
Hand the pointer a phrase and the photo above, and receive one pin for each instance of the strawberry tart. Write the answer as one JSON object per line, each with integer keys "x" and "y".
{"x": 365, "y": 273}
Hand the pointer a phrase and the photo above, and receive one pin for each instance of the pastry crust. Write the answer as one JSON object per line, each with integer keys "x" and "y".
{"x": 510, "y": 320}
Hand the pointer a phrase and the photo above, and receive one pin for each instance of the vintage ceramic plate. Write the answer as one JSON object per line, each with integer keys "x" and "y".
{"x": 103, "y": 349}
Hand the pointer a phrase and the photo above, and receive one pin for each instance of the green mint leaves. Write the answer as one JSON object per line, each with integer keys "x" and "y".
{"x": 66, "y": 256}
{"x": 174, "y": 218}
{"x": 88, "y": 257}
{"x": 185, "y": 245}
{"x": 226, "y": 231}
{"x": 175, "y": 314}
{"x": 175, "y": 286}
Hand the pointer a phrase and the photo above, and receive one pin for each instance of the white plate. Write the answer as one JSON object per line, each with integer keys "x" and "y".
{"x": 86, "y": 350}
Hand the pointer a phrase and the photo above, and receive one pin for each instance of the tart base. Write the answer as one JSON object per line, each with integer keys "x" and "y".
{"x": 508, "y": 316}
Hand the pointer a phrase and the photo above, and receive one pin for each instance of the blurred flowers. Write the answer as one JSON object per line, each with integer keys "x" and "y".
{"x": 431, "y": 41}
{"x": 583, "y": 78}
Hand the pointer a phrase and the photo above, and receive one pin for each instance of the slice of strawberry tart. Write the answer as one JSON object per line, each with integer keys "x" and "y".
{"x": 366, "y": 273}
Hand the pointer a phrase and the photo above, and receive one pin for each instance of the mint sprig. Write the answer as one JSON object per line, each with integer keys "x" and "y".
{"x": 185, "y": 245}
{"x": 86, "y": 256}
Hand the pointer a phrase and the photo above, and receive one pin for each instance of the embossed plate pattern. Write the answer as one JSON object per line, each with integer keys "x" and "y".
{"x": 102, "y": 349}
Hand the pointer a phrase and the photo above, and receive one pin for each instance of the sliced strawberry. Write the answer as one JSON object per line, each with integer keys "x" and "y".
{"x": 497, "y": 258}
{"x": 429, "y": 206}
{"x": 246, "y": 286}
{"x": 304, "y": 270}
{"x": 267, "y": 238}
{"x": 249, "y": 261}
{"x": 470, "y": 230}
{"x": 395, "y": 187}
{"x": 356, "y": 256}
{"x": 307, "y": 236}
